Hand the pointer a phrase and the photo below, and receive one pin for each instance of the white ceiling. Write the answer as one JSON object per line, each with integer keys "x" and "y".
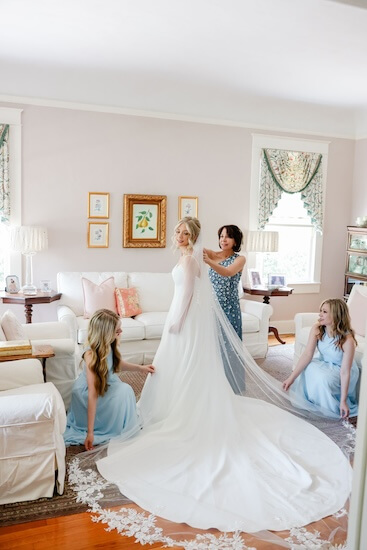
{"x": 286, "y": 64}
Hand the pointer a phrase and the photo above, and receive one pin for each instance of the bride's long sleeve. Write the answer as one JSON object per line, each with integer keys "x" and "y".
{"x": 191, "y": 271}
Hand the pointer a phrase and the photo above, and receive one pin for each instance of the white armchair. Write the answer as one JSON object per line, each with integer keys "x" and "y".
{"x": 255, "y": 326}
{"x": 32, "y": 421}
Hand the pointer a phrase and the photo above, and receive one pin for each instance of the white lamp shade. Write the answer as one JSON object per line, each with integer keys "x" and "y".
{"x": 262, "y": 241}
{"x": 28, "y": 239}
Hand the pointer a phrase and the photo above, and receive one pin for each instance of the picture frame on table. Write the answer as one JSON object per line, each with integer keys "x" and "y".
{"x": 187, "y": 206}
{"x": 254, "y": 277}
{"x": 98, "y": 234}
{"x": 144, "y": 224}
{"x": 276, "y": 279}
{"x": 12, "y": 284}
{"x": 98, "y": 205}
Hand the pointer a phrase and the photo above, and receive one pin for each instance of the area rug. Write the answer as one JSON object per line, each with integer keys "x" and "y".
{"x": 278, "y": 363}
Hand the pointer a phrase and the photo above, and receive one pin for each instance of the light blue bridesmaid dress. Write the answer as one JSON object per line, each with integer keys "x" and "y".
{"x": 115, "y": 414}
{"x": 319, "y": 383}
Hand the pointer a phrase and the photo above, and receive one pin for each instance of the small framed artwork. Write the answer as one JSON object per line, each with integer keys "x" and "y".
{"x": 144, "y": 223}
{"x": 187, "y": 206}
{"x": 98, "y": 205}
{"x": 275, "y": 279}
{"x": 98, "y": 234}
{"x": 12, "y": 284}
{"x": 254, "y": 277}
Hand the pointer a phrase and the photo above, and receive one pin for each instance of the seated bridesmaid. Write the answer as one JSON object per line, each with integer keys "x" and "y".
{"x": 329, "y": 381}
{"x": 102, "y": 406}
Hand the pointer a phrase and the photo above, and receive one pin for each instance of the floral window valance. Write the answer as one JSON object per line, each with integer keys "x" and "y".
{"x": 4, "y": 174}
{"x": 291, "y": 172}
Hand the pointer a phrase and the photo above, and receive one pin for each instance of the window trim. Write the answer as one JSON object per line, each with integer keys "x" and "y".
{"x": 261, "y": 141}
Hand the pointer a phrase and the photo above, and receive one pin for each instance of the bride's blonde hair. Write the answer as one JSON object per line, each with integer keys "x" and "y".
{"x": 193, "y": 226}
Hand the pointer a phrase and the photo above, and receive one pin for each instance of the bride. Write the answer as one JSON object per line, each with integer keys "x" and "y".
{"x": 206, "y": 456}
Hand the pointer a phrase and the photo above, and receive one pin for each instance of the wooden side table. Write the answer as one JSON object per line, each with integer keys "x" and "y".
{"x": 42, "y": 352}
{"x": 267, "y": 293}
{"x": 28, "y": 301}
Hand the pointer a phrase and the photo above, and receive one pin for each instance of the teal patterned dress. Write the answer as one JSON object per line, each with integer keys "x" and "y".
{"x": 226, "y": 290}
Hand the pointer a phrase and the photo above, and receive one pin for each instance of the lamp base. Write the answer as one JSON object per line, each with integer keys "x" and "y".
{"x": 29, "y": 290}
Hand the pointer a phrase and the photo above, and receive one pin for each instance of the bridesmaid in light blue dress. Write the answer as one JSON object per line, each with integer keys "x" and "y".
{"x": 102, "y": 406}
{"x": 329, "y": 381}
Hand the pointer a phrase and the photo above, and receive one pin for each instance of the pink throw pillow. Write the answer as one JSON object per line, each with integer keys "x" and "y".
{"x": 127, "y": 302}
{"x": 98, "y": 296}
{"x": 11, "y": 327}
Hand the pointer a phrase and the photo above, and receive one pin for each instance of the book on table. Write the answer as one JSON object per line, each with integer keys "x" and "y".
{"x": 15, "y": 347}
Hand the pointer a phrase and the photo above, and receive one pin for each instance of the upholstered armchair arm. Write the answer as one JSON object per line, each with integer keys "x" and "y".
{"x": 302, "y": 320}
{"x": 46, "y": 331}
{"x": 260, "y": 310}
{"x": 14, "y": 374}
{"x": 67, "y": 316}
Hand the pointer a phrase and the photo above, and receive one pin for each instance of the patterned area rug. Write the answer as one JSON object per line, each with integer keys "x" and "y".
{"x": 278, "y": 363}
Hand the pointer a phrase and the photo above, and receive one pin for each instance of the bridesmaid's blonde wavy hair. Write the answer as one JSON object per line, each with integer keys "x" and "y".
{"x": 101, "y": 338}
{"x": 341, "y": 321}
{"x": 193, "y": 226}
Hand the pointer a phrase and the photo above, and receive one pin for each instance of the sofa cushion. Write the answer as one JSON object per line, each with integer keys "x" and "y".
{"x": 131, "y": 329}
{"x": 155, "y": 290}
{"x": 11, "y": 327}
{"x": 250, "y": 323}
{"x": 98, "y": 296}
{"x": 153, "y": 322}
{"x": 127, "y": 302}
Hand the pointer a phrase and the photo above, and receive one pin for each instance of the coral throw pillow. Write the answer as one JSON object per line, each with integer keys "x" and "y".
{"x": 127, "y": 302}
{"x": 98, "y": 296}
{"x": 11, "y": 327}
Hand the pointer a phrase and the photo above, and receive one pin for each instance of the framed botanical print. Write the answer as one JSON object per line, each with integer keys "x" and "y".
{"x": 187, "y": 206}
{"x": 144, "y": 223}
{"x": 98, "y": 205}
{"x": 98, "y": 234}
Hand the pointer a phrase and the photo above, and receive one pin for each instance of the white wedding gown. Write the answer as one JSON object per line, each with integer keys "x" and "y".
{"x": 212, "y": 459}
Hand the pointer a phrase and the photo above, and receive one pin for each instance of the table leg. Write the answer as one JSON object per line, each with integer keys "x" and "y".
{"x": 276, "y": 334}
{"x": 44, "y": 367}
{"x": 28, "y": 313}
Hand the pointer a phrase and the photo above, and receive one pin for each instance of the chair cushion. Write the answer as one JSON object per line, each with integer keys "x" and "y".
{"x": 98, "y": 296}
{"x": 11, "y": 327}
{"x": 250, "y": 323}
{"x": 127, "y": 302}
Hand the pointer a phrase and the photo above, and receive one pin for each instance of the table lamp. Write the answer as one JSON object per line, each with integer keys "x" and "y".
{"x": 28, "y": 240}
{"x": 262, "y": 241}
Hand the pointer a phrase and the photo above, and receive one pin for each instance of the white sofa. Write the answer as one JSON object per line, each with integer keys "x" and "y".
{"x": 141, "y": 334}
{"x": 357, "y": 304}
{"x": 32, "y": 421}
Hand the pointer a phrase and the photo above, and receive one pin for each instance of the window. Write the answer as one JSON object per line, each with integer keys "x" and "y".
{"x": 300, "y": 244}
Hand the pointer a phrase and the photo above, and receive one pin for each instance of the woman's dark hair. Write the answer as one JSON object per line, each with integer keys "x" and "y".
{"x": 233, "y": 232}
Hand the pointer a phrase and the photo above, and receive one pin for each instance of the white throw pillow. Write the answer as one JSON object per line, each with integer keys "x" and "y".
{"x": 98, "y": 296}
{"x": 11, "y": 327}
{"x": 2, "y": 335}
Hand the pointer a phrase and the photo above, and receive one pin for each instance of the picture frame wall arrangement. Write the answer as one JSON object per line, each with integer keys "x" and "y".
{"x": 144, "y": 224}
{"x": 98, "y": 235}
{"x": 98, "y": 205}
{"x": 187, "y": 206}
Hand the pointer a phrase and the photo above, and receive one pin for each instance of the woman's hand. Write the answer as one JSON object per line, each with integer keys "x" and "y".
{"x": 344, "y": 410}
{"x": 287, "y": 383}
{"x": 88, "y": 443}
{"x": 147, "y": 368}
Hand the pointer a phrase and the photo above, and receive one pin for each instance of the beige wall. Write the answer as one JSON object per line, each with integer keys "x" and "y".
{"x": 68, "y": 153}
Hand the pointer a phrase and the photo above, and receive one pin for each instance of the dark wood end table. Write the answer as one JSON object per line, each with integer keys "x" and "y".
{"x": 40, "y": 351}
{"x": 28, "y": 301}
{"x": 267, "y": 293}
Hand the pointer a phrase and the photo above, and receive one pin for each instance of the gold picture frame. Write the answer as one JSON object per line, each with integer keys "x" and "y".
{"x": 144, "y": 223}
{"x": 98, "y": 234}
{"x": 98, "y": 205}
{"x": 187, "y": 206}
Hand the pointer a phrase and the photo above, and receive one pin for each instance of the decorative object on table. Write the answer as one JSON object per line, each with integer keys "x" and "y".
{"x": 255, "y": 279}
{"x": 12, "y": 284}
{"x": 98, "y": 234}
{"x": 28, "y": 240}
{"x": 46, "y": 286}
{"x": 276, "y": 280}
{"x": 187, "y": 206}
{"x": 144, "y": 221}
{"x": 98, "y": 205}
{"x": 361, "y": 221}
{"x": 15, "y": 347}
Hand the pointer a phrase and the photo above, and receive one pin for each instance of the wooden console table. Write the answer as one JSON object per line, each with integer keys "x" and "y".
{"x": 267, "y": 293}
{"x": 28, "y": 301}
{"x": 40, "y": 351}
